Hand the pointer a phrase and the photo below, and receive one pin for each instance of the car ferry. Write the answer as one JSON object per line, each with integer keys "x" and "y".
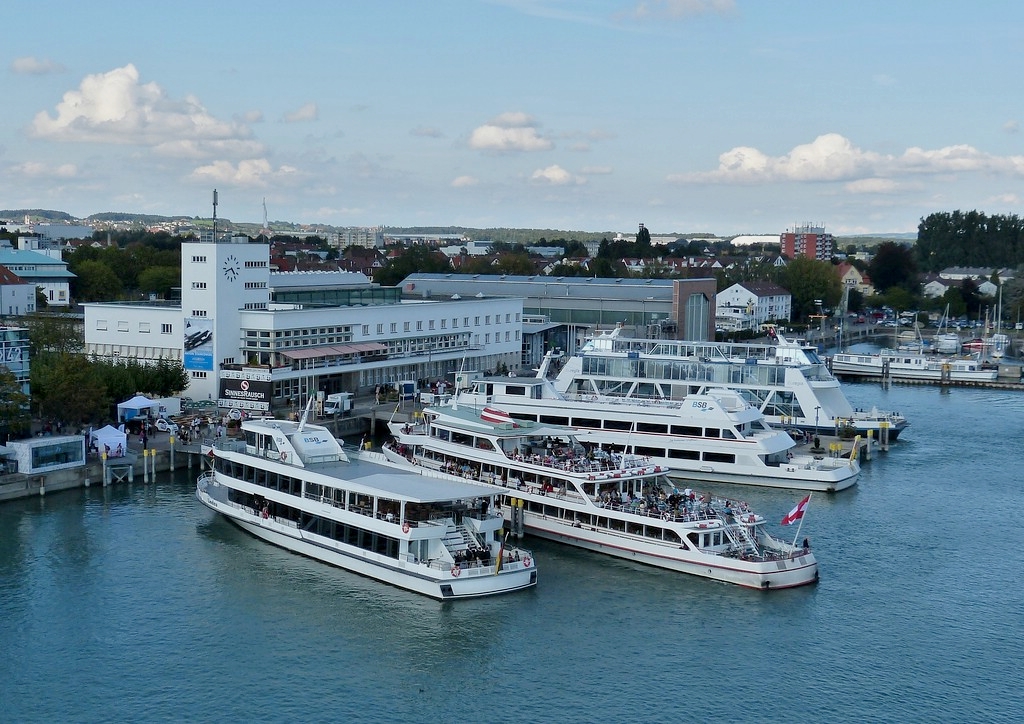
{"x": 714, "y": 437}
{"x": 292, "y": 484}
{"x": 555, "y": 487}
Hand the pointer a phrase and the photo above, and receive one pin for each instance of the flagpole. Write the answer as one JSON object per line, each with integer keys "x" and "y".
{"x": 801, "y": 525}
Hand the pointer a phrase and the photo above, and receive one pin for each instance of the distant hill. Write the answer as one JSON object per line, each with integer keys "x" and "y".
{"x": 134, "y": 218}
{"x": 47, "y": 214}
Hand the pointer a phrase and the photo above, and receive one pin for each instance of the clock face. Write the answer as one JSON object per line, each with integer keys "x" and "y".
{"x": 231, "y": 268}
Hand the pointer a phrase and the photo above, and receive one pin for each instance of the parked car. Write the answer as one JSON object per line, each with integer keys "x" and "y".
{"x": 166, "y": 425}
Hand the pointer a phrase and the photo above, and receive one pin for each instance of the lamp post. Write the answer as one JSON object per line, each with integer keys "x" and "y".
{"x": 817, "y": 409}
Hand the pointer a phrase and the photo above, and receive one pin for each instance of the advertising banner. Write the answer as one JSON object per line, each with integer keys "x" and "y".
{"x": 199, "y": 344}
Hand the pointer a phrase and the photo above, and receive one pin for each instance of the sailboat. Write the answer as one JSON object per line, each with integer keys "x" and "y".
{"x": 944, "y": 341}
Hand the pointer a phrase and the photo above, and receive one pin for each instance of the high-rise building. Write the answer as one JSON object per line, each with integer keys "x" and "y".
{"x": 810, "y": 241}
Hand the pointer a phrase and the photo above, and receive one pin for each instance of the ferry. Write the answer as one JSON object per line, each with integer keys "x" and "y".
{"x": 291, "y": 484}
{"x": 787, "y": 381}
{"x": 713, "y": 437}
{"x": 894, "y": 364}
{"x": 556, "y": 488}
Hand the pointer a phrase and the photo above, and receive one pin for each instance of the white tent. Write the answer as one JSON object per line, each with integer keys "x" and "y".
{"x": 138, "y": 405}
{"x": 109, "y": 438}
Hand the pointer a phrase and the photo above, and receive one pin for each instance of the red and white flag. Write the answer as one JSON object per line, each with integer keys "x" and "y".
{"x": 797, "y": 513}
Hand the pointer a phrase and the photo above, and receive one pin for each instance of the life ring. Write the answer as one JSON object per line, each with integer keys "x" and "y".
{"x": 405, "y": 527}
{"x": 456, "y": 571}
{"x": 266, "y": 513}
{"x": 527, "y": 561}
{"x": 284, "y": 455}
{"x": 702, "y": 526}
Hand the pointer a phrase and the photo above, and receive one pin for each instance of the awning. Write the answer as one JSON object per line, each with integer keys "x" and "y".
{"x": 333, "y": 350}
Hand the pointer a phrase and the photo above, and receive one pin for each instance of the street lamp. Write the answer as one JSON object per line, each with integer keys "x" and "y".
{"x": 817, "y": 409}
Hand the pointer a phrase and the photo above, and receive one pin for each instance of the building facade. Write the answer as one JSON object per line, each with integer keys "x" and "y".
{"x": 809, "y": 241}
{"x": 298, "y": 333}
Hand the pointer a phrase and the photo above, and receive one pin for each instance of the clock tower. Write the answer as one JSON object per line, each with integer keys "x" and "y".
{"x": 218, "y": 281}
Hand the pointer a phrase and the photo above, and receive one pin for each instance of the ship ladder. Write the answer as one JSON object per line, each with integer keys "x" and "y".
{"x": 746, "y": 538}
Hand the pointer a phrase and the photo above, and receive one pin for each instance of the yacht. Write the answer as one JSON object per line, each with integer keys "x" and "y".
{"x": 713, "y": 437}
{"x": 786, "y": 381}
{"x": 554, "y": 486}
{"x": 291, "y": 484}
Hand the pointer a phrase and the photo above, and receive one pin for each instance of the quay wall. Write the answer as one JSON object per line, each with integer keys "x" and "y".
{"x": 19, "y": 485}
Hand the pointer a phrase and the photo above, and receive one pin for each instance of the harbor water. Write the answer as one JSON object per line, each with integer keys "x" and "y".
{"x": 136, "y": 603}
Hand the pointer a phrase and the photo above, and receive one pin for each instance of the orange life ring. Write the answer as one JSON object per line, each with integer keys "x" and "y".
{"x": 456, "y": 571}
{"x": 527, "y": 561}
{"x": 405, "y": 527}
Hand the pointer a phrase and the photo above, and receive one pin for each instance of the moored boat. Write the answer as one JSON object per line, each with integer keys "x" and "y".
{"x": 291, "y": 484}
{"x": 556, "y": 487}
{"x": 714, "y": 437}
{"x": 897, "y": 365}
{"x": 786, "y": 380}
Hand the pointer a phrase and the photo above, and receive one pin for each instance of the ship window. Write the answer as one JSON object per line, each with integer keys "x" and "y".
{"x": 555, "y": 420}
{"x": 586, "y": 422}
{"x": 686, "y": 430}
{"x": 712, "y": 432}
{"x": 717, "y": 457}
{"x": 651, "y": 427}
{"x": 650, "y": 451}
{"x": 684, "y": 454}
{"x": 618, "y": 425}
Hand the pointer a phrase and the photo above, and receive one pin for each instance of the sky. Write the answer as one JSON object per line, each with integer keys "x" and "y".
{"x": 718, "y": 116}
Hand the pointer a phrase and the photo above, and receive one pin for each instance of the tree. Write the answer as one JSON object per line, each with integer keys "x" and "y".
{"x": 159, "y": 280}
{"x": 69, "y": 388}
{"x": 415, "y": 259}
{"x": 96, "y": 282}
{"x": 14, "y": 411}
{"x": 809, "y": 280}
{"x": 893, "y": 265}
{"x": 52, "y": 334}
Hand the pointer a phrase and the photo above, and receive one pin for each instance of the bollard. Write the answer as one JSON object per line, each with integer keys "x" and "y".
{"x": 145, "y": 466}
{"x": 171, "y": 463}
{"x": 106, "y": 472}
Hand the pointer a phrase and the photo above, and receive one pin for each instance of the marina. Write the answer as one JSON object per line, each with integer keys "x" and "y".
{"x": 619, "y": 505}
{"x": 291, "y": 484}
{"x": 713, "y": 437}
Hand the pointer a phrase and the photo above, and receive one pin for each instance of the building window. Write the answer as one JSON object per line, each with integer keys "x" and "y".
{"x": 165, "y": 329}
{"x": 255, "y": 285}
{"x": 430, "y": 324}
{"x": 101, "y": 324}
{"x": 144, "y": 327}
{"x": 198, "y": 375}
{"x": 487, "y": 338}
{"x": 380, "y": 328}
{"x": 476, "y": 321}
{"x": 455, "y": 322}
{"x": 465, "y": 321}
{"x": 405, "y": 326}
{"x": 444, "y": 324}
{"x": 199, "y": 260}
{"x": 394, "y": 327}
{"x": 487, "y": 319}
{"x": 419, "y": 325}
{"x": 199, "y": 285}
{"x": 122, "y": 326}
{"x": 366, "y": 330}
{"x": 198, "y": 312}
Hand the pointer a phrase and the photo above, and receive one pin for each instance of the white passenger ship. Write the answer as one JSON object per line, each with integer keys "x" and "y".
{"x": 291, "y": 484}
{"x": 557, "y": 489}
{"x": 714, "y": 437}
{"x": 898, "y": 365}
{"x": 787, "y": 381}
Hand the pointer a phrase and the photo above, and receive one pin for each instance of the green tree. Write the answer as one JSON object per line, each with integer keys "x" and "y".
{"x": 159, "y": 280}
{"x": 14, "y": 411}
{"x": 69, "y": 388}
{"x": 52, "y": 334}
{"x": 96, "y": 282}
{"x": 893, "y": 265}
{"x": 417, "y": 258}
{"x": 808, "y": 280}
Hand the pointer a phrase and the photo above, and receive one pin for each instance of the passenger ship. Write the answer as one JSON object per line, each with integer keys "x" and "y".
{"x": 713, "y": 437}
{"x": 291, "y": 484}
{"x": 555, "y": 488}
{"x": 786, "y": 381}
{"x": 898, "y": 365}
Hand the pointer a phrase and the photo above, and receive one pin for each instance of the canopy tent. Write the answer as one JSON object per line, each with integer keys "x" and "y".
{"x": 138, "y": 405}
{"x": 109, "y": 439}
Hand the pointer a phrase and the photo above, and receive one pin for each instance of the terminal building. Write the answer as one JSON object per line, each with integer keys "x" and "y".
{"x": 570, "y": 309}
{"x": 257, "y": 339}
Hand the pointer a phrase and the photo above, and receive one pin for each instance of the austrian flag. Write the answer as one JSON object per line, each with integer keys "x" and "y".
{"x": 797, "y": 513}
